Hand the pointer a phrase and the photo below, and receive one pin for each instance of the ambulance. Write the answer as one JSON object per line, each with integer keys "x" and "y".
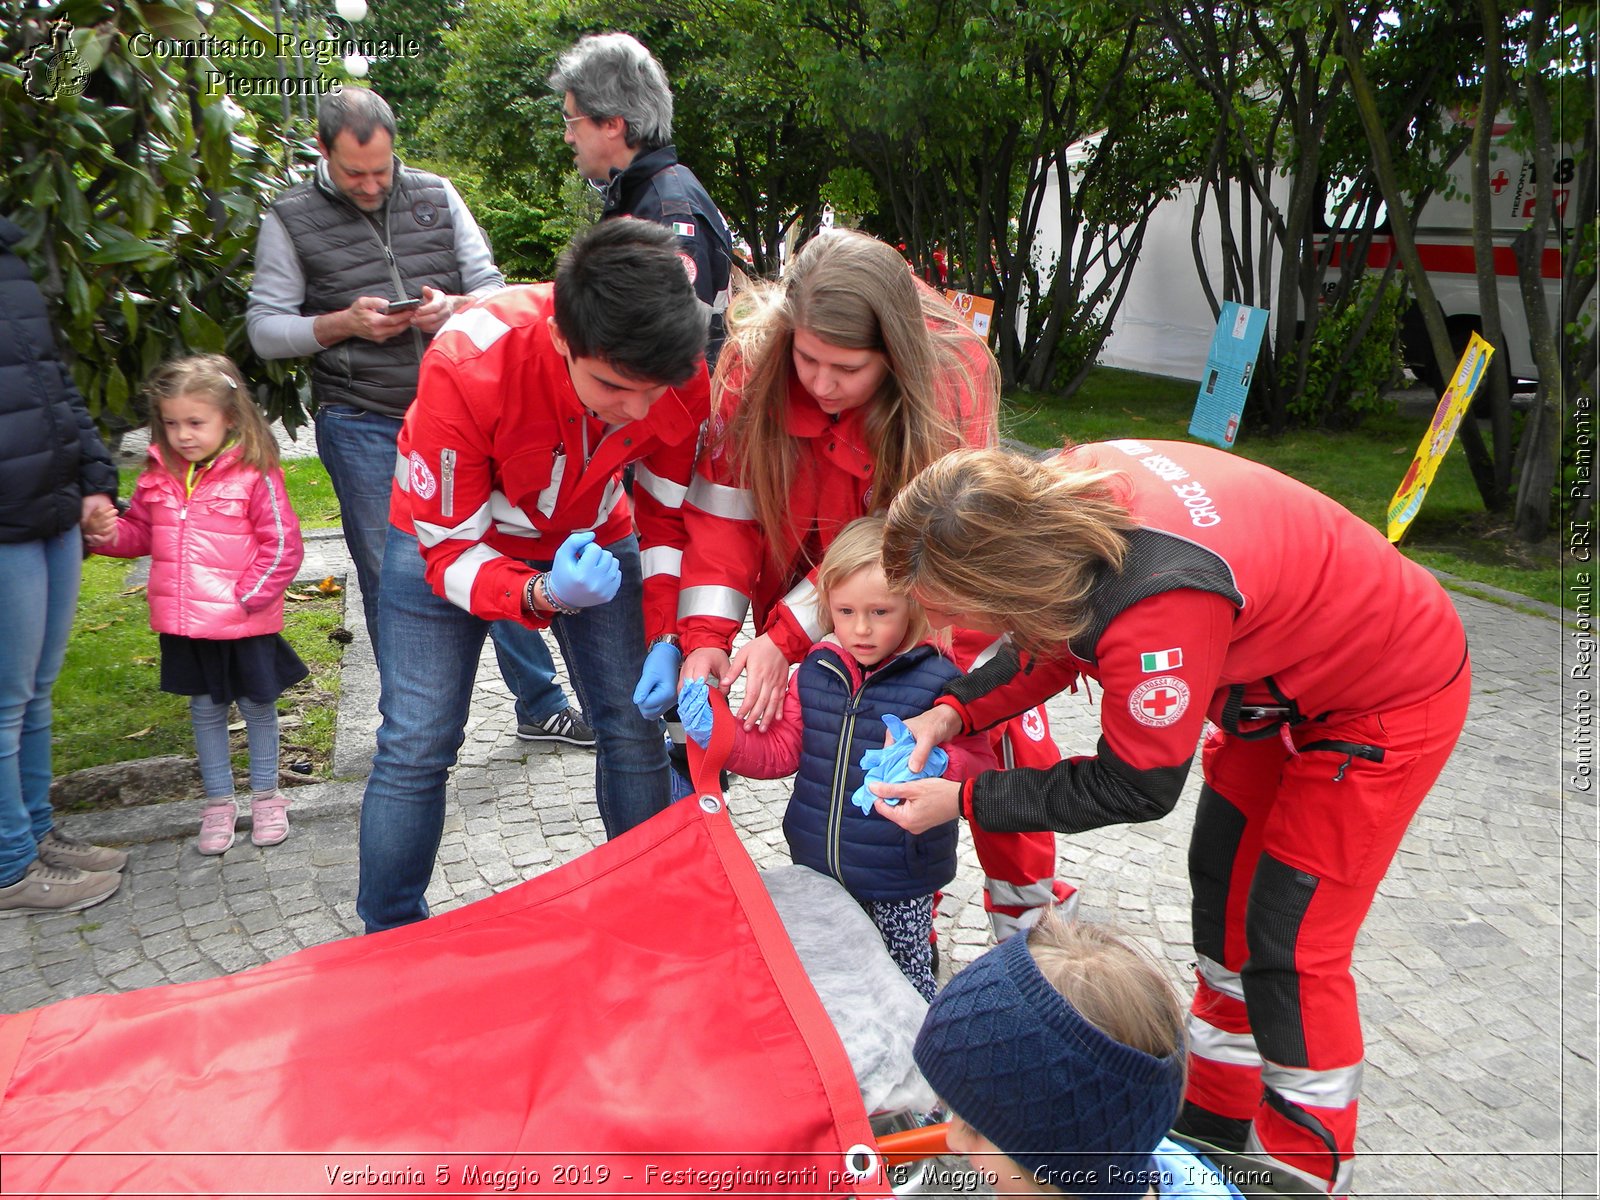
{"x": 1165, "y": 322}
{"x": 1444, "y": 245}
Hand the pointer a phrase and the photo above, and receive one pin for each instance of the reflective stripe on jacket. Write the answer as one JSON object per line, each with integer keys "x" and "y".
{"x": 498, "y": 462}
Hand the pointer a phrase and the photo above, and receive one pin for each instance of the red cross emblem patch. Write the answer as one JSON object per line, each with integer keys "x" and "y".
{"x": 423, "y": 484}
{"x": 1160, "y": 701}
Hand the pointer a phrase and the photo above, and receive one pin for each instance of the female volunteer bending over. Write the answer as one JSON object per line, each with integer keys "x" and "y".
{"x": 1192, "y": 584}
{"x": 836, "y": 387}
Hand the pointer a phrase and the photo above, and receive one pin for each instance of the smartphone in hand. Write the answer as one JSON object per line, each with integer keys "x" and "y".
{"x": 399, "y": 306}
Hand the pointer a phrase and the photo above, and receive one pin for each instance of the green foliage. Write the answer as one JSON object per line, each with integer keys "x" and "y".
{"x": 1082, "y": 335}
{"x": 139, "y": 189}
{"x": 500, "y": 127}
{"x": 851, "y": 193}
{"x": 527, "y": 227}
{"x": 1353, "y": 360}
{"x": 412, "y": 83}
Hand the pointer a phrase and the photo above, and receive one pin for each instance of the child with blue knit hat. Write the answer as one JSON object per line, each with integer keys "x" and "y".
{"x": 1061, "y": 1058}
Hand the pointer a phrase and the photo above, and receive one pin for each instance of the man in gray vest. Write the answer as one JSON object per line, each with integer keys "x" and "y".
{"x": 357, "y": 268}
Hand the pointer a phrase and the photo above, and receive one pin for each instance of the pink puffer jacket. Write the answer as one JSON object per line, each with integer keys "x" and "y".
{"x": 220, "y": 559}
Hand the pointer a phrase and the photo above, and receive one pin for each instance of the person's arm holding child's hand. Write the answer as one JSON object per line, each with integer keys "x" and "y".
{"x": 99, "y": 520}
{"x": 124, "y": 535}
{"x": 766, "y": 671}
{"x": 769, "y": 753}
{"x": 707, "y": 663}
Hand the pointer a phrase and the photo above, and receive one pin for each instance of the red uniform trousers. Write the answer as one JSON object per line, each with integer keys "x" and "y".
{"x": 1019, "y": 869}
{"x": 1286, "y": 857}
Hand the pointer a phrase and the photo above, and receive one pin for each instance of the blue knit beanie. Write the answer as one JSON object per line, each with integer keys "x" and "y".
{"x": 1012, "y": 1058}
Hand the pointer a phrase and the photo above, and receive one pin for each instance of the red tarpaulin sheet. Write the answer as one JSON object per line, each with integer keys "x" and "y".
{"x": 633, "y": 1022}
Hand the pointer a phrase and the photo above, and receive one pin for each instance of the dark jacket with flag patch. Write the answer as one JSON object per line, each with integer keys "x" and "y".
{"x": 655, "y": 186}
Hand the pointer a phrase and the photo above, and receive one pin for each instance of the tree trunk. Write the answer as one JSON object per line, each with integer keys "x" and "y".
{"x": 1497, "y": 385}
{"x": 1489, "y": 488}
{"x": 1542, "y": 463}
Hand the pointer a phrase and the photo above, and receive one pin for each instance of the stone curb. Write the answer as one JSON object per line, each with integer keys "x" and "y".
{"x": 146, "y": 823}
{"x": 1484, "y": 591}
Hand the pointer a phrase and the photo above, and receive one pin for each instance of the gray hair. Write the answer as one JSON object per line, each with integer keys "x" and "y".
{"x": 613, "y": 75}
{"x": 360, "y": 110}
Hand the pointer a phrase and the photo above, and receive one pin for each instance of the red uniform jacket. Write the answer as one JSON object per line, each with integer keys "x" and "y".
{"x": 729, "y": 565}
{"x": 1262, "y": 592}
{"x": 500, "y": 462}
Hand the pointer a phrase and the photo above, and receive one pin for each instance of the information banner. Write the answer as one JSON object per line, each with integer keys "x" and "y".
{"x": 1441, "y": 432}
{"x": 1229, "y": 366}
{"x": 976, "y": 311}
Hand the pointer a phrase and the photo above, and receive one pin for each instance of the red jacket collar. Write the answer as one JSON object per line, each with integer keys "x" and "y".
{"x": 845, "y": 439}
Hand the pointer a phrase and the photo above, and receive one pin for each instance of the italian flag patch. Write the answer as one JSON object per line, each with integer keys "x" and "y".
{"x": 683, "y": 229}
{"x": 1161, "y": 660}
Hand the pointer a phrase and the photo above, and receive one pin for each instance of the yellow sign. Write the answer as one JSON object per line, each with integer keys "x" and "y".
{"x": 977, "y": 311}
{"x": 1441, "y": 432}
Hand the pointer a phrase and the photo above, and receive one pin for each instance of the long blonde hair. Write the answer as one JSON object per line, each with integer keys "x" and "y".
{"x": 219, "y": 380}
{"x": 857, "y": 293}
{"x": 998, "y": 533}
{"x": 859, "y": 547}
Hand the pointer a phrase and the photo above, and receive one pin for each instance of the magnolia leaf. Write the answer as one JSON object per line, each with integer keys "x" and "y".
{"x": 131, "y": 250}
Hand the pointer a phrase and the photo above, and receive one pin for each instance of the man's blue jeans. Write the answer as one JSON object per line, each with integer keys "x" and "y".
{"x": 426, "y": 673}
{"x": 358, "y": 449}
{"x": 38, "y": 595}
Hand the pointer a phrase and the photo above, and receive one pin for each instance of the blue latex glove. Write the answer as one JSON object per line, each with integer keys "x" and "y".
{"x": 583, "y": 573}
{"x": 694, "y": 710}
{"x": 658, "y": 680}
{"x": 888, "y": 765}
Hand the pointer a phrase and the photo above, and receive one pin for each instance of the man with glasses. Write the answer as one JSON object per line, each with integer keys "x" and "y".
{"x": 618, "y": 113}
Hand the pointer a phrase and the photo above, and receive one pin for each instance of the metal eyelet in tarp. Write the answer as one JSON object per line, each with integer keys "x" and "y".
{"x": 635, "y": 1021}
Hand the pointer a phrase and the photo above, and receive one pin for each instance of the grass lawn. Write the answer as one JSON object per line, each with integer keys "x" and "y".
{"x": 1359, "y": 468}
{"x": 108, "y": 706}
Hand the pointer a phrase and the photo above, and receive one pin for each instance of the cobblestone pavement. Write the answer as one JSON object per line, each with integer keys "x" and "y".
{"x": 1476, "y": 968}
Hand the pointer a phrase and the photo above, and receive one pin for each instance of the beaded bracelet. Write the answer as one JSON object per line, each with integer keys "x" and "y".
{"x": 553, "y": 601}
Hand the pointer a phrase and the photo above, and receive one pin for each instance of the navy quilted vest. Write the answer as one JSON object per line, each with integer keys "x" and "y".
{"x": 843, "y": 718}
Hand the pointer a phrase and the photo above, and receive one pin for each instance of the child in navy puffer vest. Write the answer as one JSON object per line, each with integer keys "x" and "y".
{"x": 875, "y": 663}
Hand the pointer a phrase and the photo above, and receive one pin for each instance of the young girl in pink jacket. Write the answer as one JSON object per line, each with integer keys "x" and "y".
{"x": 211, "y": 512}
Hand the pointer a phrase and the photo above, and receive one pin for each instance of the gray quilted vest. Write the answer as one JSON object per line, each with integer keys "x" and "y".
{"x": 345, "y": 254}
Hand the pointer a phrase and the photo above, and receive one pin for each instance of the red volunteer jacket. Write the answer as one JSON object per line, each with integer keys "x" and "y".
{"x": 729, "y": 565}
{"x": 1249, "y": 593}
{"x": 500, "y": 462}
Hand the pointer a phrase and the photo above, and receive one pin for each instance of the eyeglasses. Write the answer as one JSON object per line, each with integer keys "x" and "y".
{"x": 571, "y": 121}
